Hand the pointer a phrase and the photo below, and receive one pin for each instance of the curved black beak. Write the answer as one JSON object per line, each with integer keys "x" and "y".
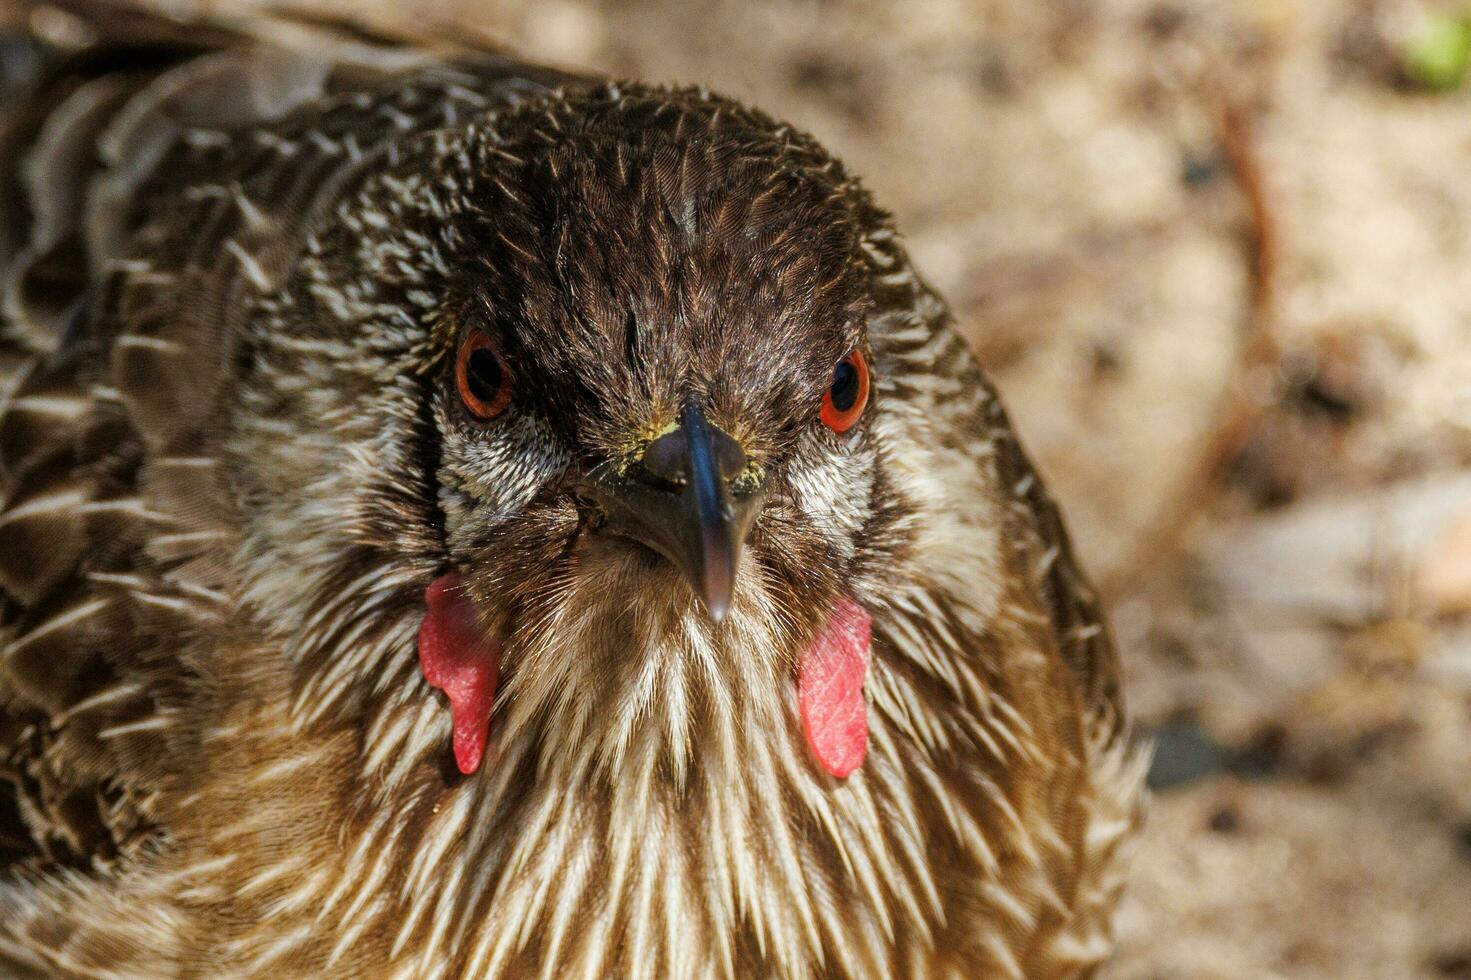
{"x": 689, "y": 498}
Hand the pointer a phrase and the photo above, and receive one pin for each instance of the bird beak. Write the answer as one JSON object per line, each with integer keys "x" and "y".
{"x": 678, "y": 499}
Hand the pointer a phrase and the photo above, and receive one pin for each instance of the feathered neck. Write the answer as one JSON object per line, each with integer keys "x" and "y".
{"x": 647, "y": 802}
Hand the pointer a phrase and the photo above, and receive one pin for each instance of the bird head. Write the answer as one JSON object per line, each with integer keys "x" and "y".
{"x": 597, "y": 367}
{"x": 658, "y": 337}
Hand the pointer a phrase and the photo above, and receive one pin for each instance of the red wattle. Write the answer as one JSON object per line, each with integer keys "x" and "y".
{"x": 457, "y": 657}
{"x": 830, "y": 689}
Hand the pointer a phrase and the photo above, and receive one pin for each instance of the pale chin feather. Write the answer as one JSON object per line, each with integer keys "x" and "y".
{"x": 622, "y": 661}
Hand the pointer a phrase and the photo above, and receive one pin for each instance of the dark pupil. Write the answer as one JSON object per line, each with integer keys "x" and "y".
{"x": 483, "y": 372}
{"x": 844, "y": 392}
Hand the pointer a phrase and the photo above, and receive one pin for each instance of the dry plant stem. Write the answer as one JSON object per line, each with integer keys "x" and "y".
{"x": 1253, "y": 389}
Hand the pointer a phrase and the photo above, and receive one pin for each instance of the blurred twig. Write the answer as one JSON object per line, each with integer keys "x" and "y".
{"x": 1255, "y": 386}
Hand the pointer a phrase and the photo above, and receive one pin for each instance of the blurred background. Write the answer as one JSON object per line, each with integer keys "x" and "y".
{"x": 1217, "y": 255}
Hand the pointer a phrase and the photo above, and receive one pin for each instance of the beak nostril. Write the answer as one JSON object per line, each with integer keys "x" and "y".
{"x": 729, "y": 456}
{"x": 666, "y": 462}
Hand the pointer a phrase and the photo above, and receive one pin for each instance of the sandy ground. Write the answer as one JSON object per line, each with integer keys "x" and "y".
{"x": 1218, "y": 256}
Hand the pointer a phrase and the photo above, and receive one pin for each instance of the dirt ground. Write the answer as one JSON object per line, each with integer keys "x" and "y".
{"x": 1217, "y": 253}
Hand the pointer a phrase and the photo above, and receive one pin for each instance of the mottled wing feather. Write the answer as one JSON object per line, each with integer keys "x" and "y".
{"x": 141, "y": 178}
{"x": 89, "y": 672}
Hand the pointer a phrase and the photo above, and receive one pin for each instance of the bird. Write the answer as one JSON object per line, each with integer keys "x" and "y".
{"x": 465, "y": 518}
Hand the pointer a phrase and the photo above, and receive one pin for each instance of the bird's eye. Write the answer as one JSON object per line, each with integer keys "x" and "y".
{"x": 482, "y": 377}
{"x": 844, "y": 400}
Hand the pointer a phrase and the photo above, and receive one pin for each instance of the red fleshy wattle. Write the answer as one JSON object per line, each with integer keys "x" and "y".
{"x": 830, "y": 689}
{"x": 457, "y": 657}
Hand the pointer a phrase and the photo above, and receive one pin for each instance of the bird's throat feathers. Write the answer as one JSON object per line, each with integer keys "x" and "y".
{"x": 459, "y": 658}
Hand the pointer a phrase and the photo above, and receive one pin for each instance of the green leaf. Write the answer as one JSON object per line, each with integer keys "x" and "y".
{"x": 1437, "y": 53}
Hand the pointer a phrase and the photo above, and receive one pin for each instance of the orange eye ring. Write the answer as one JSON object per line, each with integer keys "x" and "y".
{"x": 847, "y": 396}
{"x": 482, "y": 377}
